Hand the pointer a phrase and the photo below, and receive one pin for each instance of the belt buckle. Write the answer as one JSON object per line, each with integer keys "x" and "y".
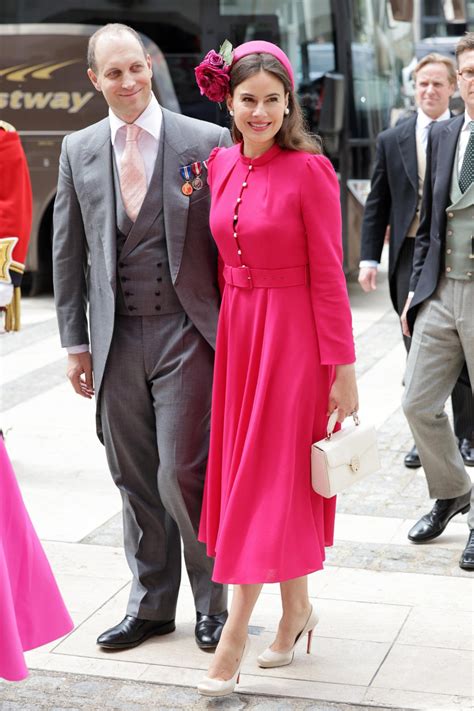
{"x": 248, "y": 277}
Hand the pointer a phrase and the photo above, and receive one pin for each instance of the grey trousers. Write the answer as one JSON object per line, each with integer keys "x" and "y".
{"x": 155, "y": 411}
{"x": 461, "y": 397}
{"x": 443, "y": 337}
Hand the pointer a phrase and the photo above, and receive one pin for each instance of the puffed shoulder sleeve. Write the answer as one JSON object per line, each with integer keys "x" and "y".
{"x": 210, "y": 162}
{"x": 320, "y": 203}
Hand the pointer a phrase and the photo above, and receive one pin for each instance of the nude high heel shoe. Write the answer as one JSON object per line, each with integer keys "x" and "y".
{"x": 269, "y": 658}
{"x": 223, "y": 687}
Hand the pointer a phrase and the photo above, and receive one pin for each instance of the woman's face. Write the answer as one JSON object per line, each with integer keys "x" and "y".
{"x": 259, "y": 105}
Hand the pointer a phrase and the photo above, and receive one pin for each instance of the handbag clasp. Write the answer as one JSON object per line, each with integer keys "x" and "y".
{"x": 355, "y": 463}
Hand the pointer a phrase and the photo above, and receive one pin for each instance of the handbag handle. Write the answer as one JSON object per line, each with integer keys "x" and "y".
{"x": 333, "y": 419}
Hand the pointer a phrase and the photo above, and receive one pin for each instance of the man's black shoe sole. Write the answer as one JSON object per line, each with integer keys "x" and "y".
{"x": 206, "y": 647}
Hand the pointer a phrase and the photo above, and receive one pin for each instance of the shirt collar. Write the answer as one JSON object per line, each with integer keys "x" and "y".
{"x": 150, "y": 120}
{"x": 424, "y": 120}
{"x": 467, "y": 121}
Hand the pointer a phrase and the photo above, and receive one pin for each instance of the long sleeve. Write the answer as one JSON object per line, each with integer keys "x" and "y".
{"x": 322, "y": 219}
{"x": 15, "y": 209}
{"x": 69, "y": 259}
{"x": 377, "y": 209}
{"x": 422, "y": 240}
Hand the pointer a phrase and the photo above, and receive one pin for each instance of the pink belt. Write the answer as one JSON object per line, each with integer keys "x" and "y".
{"x": 247, "y": 277}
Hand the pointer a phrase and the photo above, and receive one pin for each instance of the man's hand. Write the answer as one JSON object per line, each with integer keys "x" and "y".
{"x": 368, "y": 278}
{"x": 79, "y": 372}
{"x": 403, "y": 317}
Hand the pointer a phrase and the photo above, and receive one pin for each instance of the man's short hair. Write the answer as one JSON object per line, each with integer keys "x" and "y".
{"x": 113, "y": 28}
{"x": 465, "y": 44}
{"x": 436, "y": 58}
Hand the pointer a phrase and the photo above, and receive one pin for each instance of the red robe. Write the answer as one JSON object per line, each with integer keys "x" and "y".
{"x": 15, "y": 208}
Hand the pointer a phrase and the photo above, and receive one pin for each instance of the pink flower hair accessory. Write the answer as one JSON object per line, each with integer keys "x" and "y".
{"x": 213, "y": 73}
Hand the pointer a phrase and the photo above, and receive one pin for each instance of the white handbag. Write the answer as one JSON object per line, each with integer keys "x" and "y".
{"x": 342, "y": 458}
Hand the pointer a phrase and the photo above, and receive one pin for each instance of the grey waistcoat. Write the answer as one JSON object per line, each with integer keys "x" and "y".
{"x": 144, "y": 286}
{"x": 459, "y": 254}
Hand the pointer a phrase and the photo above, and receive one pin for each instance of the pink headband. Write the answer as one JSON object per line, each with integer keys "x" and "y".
{"x": 258, "y": 46}
{"x": 213, "y": 73}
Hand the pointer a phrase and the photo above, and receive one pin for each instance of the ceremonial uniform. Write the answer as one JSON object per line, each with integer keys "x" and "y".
{"x": 15, "y": 222}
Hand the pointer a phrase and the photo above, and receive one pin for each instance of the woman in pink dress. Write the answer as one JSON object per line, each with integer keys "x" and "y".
{"x": 32, "y": 612}
{"x": 284, "y": 356}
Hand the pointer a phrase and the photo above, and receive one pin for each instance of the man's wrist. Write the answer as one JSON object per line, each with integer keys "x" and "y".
{"x": 368, "y": 263}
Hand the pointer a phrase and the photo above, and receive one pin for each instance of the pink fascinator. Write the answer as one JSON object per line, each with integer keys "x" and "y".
{"x": 212, "y": 74}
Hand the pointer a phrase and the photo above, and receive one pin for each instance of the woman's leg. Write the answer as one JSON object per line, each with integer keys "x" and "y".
{"x": 231, "y": 645}
{"x": 296, "y": 610}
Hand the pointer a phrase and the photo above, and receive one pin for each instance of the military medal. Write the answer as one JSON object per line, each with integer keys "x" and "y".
{"x": 197, "y": 170}
{"x": 186, "y": 188}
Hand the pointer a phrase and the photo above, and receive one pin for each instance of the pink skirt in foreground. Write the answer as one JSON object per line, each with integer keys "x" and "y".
{"x": 32, "y": 611}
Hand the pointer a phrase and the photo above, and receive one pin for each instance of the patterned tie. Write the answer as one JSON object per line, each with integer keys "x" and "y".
{"x": 466, "y": 176}
{"x": 132, "y": 173}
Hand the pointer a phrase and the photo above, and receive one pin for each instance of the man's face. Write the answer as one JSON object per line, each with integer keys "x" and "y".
{"x": 123, "y": 75}
{"x": 433, "y": 90}
{"x": 465, "y": 84}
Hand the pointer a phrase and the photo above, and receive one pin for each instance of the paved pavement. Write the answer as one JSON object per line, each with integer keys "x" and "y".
{"x": 396, "y": 619}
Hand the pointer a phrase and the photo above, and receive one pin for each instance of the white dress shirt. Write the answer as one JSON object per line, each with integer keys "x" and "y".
{"x": 148, "y": 141}
{"x": 464, "y": 138}
{"x": 422, "y": 128}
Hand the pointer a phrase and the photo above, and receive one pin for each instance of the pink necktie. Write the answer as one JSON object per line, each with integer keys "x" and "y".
{"x": 132, "y": 173}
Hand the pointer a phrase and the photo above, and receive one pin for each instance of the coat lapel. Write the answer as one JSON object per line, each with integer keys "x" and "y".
{"x": 447, "y": 144}
{"x": 98, "y": 182}
{"x": 176, "y": 153}
{"x": 407, "y": 146}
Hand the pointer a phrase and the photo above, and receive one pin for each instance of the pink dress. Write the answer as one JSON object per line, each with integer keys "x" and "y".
{"x": 32, "y": 612}
{"x": 276, "y": 350}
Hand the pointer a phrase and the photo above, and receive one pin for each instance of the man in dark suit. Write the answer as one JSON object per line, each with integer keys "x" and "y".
{"x": 443, "y": 306}
{"x": 132, "y": 242}
{"x": 395, "y": 199}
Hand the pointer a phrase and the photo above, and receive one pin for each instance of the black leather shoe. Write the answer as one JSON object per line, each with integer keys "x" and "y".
{"x": 208, "y": 629}
{"x": 467, "y": 559}
{"x": 433, "y": 524}
{"x": 466, "y": 447}
{"x": 412, "y": 459}
{"x": 132, "y": 631}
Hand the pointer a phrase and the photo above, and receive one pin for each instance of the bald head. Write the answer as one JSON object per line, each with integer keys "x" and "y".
{"x": 111, "y": 31}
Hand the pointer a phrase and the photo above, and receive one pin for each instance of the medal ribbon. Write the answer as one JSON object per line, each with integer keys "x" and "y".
{"x": 185, "y": 172}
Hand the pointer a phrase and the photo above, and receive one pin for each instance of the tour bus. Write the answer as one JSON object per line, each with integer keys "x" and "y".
{"x": 45, "y": 93}
{"x": 348, "y": 57}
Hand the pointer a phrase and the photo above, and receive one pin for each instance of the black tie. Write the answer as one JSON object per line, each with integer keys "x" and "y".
{"x": 466, "y": 176}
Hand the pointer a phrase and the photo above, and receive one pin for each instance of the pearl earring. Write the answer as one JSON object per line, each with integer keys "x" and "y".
{"x": 231, "y": 112}
{"x": 287, "y": 111}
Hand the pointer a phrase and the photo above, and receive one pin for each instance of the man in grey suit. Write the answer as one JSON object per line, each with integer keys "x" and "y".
{"x": 395, "y": 199}
{"x": 443, "y": 306}
{"x": 132, "y": 242}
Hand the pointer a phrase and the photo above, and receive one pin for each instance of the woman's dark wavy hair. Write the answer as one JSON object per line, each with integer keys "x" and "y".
{"x": 293, "y": 134}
